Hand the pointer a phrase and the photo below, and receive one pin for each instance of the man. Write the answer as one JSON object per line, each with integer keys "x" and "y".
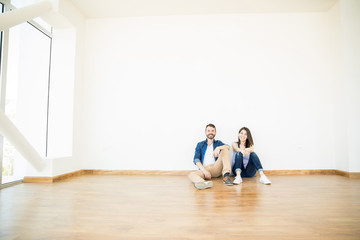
{"x": 213, "y": 160}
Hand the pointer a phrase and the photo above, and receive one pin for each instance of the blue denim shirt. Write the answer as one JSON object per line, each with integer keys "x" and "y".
{"x": 201, "y": 149}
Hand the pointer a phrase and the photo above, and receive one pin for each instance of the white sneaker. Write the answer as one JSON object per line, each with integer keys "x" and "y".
{"x": 265, "y": 180}
{"x": 203, "y": 185}
{"x": 237, "y": 180}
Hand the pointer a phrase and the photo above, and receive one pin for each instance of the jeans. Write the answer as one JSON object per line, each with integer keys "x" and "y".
{"x": 253, "y": 165}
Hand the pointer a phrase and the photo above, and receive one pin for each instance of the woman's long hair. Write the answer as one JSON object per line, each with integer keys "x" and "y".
{"x": 249, "y": 141}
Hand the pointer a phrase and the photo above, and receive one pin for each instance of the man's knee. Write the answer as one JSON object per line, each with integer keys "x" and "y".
{"x": 195, "y": 174}
{"x": 190, "y": 175}
{"x": 224, "y": 152}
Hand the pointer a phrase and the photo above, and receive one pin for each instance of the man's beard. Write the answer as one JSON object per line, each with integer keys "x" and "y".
{"x": 210, "y": 136}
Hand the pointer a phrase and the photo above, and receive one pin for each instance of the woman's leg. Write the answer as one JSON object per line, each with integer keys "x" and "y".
{"x": 237, "y": 167}
{"x": 238, "y": 163}
{"x": 256, "y": 161}
{"x": 253, "y": 166}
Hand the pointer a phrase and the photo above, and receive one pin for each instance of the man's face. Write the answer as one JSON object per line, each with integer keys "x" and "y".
{"x": 210, "y": 132}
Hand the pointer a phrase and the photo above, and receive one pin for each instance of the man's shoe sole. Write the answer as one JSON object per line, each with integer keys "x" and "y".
{"x": 203, "y": 185}
{"x": 228, "y": 184}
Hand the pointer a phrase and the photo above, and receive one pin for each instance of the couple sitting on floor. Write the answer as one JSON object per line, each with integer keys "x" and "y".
{"x": 213, "y": 160}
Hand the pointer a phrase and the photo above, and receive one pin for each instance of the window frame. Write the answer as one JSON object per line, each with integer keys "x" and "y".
{"x": 5, "y": 5}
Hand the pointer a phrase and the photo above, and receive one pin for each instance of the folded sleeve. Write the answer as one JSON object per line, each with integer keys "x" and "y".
{"x": 197, "y": 154}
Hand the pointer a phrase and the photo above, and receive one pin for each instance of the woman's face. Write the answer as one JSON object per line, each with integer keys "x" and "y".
{"x": 243, "y": 135}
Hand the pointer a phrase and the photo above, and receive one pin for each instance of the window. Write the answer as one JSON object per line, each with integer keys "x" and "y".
{"x": 27, "y": 92}
{"x": 1, "y": 90}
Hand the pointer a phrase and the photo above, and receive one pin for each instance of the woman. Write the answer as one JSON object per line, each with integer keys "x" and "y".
{"x": 246, "y": 160}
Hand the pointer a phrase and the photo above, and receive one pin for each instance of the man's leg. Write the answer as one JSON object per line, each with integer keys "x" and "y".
{"x": 225, "y": 156}
{"x": 222, "y": 166}
{"x": 197, "y": 176}
{"x": 199, "y": 181}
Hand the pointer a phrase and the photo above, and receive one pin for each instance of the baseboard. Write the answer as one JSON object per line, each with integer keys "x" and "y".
{"x": 53, "y": 179}
{"x": 180, "y": 173}
{"x": 301, "y": 172}
{"x": 38, "y": 179}
{"x": 354, "y": 175}
{"x": 348, "y": 174}
{"x": 104, "y": 172}
{"x": 138, "y": 172}
{"x": 68, "y": 175}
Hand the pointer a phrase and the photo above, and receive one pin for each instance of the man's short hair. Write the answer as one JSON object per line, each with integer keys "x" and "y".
{"x": 210, "y": 125}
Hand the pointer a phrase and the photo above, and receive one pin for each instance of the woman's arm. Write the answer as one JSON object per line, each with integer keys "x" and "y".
{"x": 249, "y": 150}
{"x": 235, "y": 147}
{"x": 245, "y": 151}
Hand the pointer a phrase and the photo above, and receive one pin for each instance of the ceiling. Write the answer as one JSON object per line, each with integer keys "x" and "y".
{"x": 138, "y": 8}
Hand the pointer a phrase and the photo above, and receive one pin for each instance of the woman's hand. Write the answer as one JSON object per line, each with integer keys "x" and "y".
{"x": 247, "y": 152}
{"x": 242, "y": 149}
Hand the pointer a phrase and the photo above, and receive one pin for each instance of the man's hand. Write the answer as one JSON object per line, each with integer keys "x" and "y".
{"x": 216, "y": 152}
{"x": 207, "y": 174}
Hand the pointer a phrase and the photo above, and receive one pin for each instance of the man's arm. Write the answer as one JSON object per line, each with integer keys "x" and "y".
{"x": 198, "y": 163}
{"x": 197, "y": 155}
{"x": 223, "y": 147}
{"x": 219, "y": 148}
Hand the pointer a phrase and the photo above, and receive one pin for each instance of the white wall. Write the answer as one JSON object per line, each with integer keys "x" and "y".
{"x": 153, "y": 83}
{"x": 70, "y": 32}
{"x": 340, "y": 110}
{"x": 60, "y": 136}
{"x": 350, "y": 78}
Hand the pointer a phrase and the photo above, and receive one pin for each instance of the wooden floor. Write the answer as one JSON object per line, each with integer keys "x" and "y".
{"x": 169, "y": 207}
